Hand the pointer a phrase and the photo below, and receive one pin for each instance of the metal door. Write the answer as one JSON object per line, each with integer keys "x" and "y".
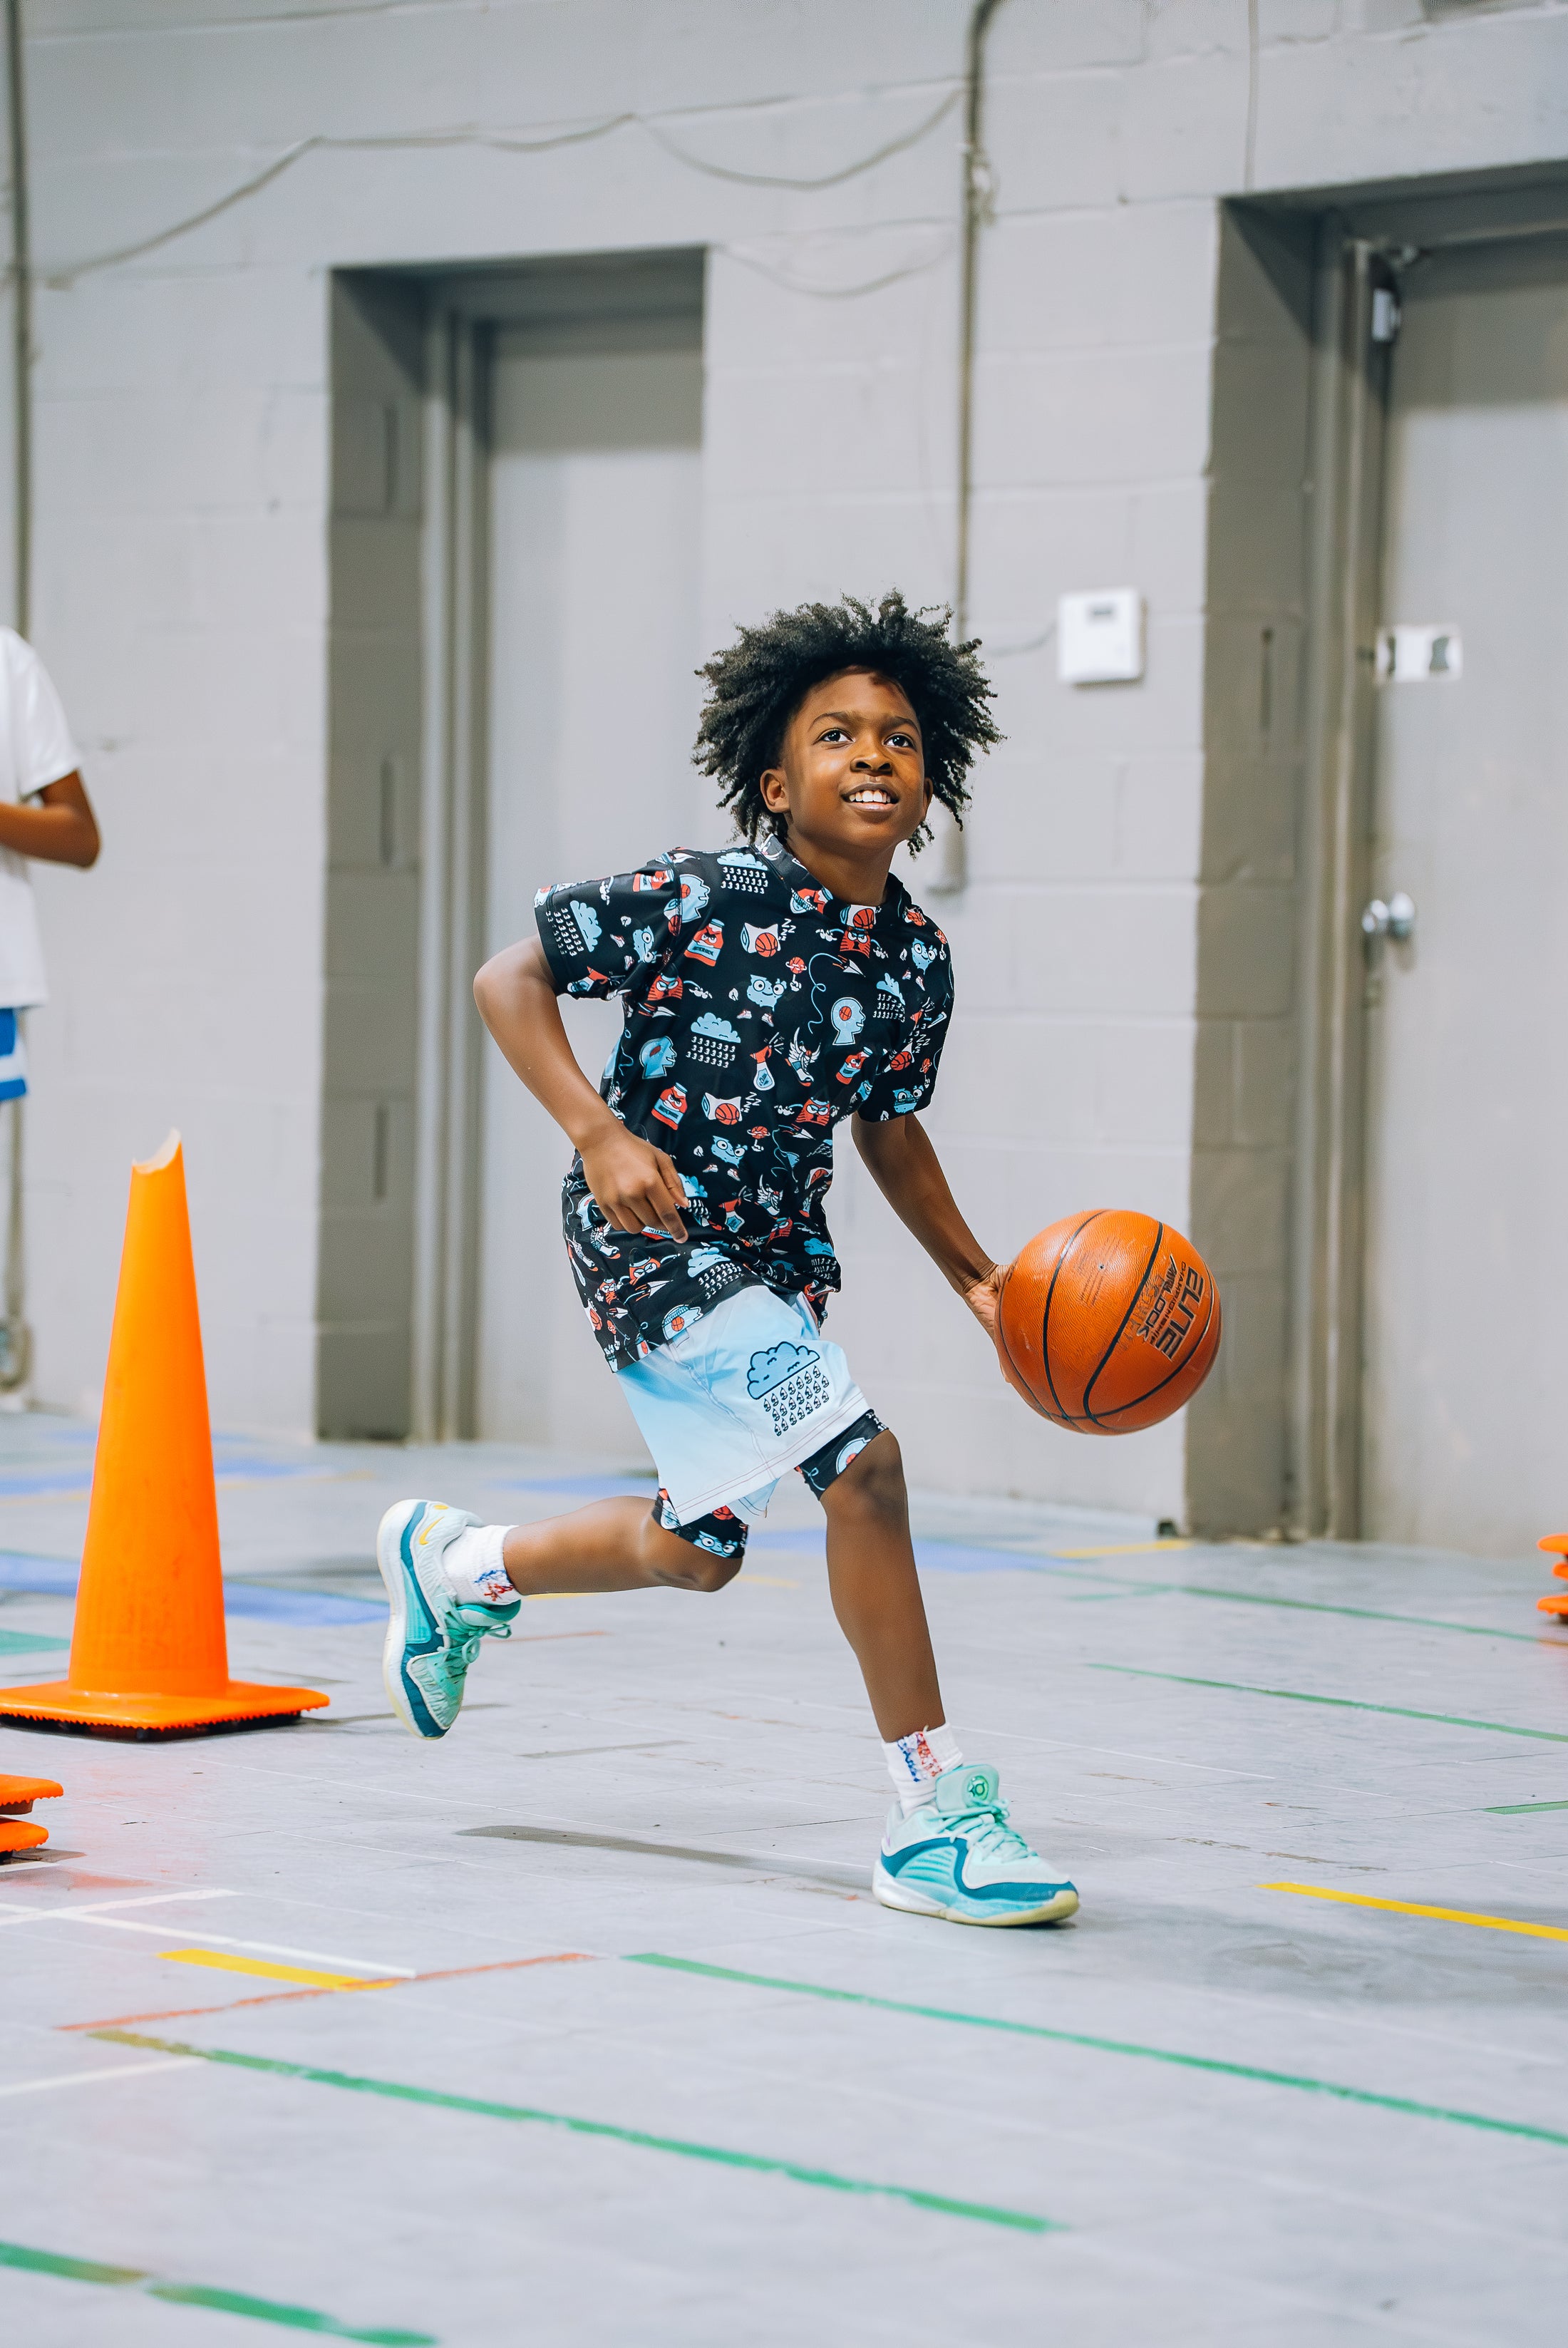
{"x": 594, "y": 571}
{"x": 1465, "y": 1394}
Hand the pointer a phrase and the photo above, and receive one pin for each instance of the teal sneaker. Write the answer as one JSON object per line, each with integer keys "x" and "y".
{"x": 958, "y": 1858}
{"x": 431, "y": 1639}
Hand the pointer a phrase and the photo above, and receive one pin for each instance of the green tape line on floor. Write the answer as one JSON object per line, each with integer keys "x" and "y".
{"x": 1146, "y": 1588}
{"x": 1358, "y": 1613}
{"x": 1252, "y": 2071}
{"x": 1023, "y": 2220}
{"x": 1340, "y": 1703}
{"x": 196, "y": 2295}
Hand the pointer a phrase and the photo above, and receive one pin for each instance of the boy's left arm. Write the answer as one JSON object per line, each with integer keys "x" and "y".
{"x": 53, "y": 825}
{"x": 908, "y": 1172}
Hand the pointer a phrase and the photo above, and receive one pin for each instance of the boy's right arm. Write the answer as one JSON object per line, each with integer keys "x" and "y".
{"x": 635, "y": 1185}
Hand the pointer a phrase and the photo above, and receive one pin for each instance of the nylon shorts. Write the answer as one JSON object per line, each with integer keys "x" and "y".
{"x": 747, "y": 1391}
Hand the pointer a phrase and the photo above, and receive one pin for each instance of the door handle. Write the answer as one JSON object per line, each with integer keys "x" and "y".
{"x": 1395, "y": 920}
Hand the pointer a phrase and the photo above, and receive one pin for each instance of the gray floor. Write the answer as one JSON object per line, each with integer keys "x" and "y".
{"x": 1210, "y": 2110}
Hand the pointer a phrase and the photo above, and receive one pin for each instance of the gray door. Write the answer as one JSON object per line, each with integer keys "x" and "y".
{"x": 1466, "y": 1398}
{"x": 595, "y": 511}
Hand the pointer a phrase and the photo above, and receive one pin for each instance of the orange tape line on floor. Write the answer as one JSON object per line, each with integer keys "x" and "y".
{"x": 278, "y": 1997}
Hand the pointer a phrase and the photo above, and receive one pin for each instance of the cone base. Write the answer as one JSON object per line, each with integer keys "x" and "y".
{"x": 16, "y": 1834}
{"x": 1556, "y": 1603}
{"x": 21, "y": 1793}
{"x": 60, "y": 1704}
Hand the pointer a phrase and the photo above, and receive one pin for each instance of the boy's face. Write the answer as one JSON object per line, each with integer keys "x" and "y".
{"x": 851, "y": 779}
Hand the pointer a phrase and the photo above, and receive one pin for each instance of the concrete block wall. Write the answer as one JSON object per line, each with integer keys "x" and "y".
{"x": 182, "y": 503}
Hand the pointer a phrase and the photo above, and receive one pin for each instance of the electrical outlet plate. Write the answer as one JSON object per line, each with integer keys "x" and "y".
{"x": 1099, "y": 637}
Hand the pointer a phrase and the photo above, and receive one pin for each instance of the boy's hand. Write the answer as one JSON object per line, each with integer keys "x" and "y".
{"x": 984, "y": 1301}
{"x": 984, "y": 1298}
{"x": 635, "y": 1185}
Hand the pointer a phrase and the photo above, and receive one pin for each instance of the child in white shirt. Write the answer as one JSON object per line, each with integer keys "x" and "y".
{"x": 45, "y": 813}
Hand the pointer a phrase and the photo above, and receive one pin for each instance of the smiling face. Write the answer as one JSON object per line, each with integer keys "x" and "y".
{"x": 850, "y": 780}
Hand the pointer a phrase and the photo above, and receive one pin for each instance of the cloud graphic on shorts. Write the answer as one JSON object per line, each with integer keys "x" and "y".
{"x": 711, "y": 1024}
{"x": 771, "y": 1369}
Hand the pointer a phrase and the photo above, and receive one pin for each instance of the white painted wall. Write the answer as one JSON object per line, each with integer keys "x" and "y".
{"x": 180, "y": 571}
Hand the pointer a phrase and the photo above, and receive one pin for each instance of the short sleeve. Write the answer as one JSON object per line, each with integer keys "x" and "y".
{"x": 907, "y": 1076}
{"x": 600, "y": 936}
{"x": 44, "y": 753}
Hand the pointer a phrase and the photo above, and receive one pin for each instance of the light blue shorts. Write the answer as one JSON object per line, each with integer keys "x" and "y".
{"x": 749, "y": 1391}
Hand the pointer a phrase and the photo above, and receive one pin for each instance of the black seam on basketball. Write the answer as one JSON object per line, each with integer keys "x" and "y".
{"x": 1133, "y": 1307}
{"x": 1135, "y": 1402}
{"x": 1002, "y": 1340}
{"x": 1065, "y": 1416}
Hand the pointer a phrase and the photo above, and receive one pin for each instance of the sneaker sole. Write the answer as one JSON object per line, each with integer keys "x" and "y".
{"x": 892, "y": 1894}
{"x": 393, "y": 1573}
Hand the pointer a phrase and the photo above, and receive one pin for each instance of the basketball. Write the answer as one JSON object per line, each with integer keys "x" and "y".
{"x": 1110, "y": 1321}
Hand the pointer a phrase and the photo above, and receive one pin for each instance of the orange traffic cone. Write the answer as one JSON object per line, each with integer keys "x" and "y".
{"x": 17, "y": 1796}
{"x": 1555, "y": 1600}
{"x": 149, "y": 1651}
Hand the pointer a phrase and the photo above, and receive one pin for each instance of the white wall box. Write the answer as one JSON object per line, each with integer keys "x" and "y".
{"x": 1099, "y": 637}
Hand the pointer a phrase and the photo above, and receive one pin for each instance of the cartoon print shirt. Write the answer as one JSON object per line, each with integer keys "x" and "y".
{"x": 760, "y": 1012}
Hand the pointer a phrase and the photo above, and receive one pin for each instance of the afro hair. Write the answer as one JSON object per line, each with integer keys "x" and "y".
{"x": 758, "y": 684}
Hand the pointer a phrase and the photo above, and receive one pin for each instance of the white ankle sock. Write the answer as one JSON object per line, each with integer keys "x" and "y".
{"x": 915, "y": 1762}
{"x": 472, "y": 1569}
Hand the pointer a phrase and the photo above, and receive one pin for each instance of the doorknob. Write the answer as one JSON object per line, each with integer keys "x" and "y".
{"x": 1395, "y": 920}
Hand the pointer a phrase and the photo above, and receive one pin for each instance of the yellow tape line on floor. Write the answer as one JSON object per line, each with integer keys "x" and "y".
{"x": 1122, "y": 1549}
{"x": 1412, "y": 1908}
{"x": 258, "y": 1965}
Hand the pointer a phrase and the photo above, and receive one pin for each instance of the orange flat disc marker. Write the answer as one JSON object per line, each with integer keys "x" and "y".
{"x": 19, "y": 1794}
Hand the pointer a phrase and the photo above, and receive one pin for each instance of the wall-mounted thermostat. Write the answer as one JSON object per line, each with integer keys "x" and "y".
{"x": 1099, "y": 637}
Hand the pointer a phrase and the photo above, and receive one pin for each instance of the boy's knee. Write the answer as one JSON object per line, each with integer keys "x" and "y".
{"x": 872, "y": 1484}
{"x": 680, "y": 1565}
{"x": 709, "y": 1574}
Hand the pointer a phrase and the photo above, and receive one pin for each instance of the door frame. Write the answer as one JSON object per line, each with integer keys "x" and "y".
{"x": 451, "y": 925}
{"x": 1349, "y": 409}
{"x": 1365, "y": 243}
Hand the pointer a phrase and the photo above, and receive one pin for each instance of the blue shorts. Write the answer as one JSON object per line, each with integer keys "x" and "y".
{"x": 13, "y": 1058}
{"x": 747, "y": 1391}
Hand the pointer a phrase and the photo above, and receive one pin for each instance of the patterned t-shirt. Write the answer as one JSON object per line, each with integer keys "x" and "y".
{"x": 760, "y": 1010}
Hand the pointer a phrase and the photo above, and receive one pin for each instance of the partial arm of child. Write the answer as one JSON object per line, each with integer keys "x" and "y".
{"x": 56, "y": 826}
{"x": 635, "y": 1185}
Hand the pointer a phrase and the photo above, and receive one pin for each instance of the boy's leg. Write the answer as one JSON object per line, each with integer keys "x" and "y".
{"x": 876, "y": 1590}
{"x": 452, "y": 1582}
{"x": 610, "y": 1545}
{"x": 948, "y": 1849}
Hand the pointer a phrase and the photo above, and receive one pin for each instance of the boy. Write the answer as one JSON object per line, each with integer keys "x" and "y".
{"x": 771, "y": 990}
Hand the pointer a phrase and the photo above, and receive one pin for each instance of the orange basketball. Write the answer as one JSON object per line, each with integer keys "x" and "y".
{"x": 1110, "y": 1321}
